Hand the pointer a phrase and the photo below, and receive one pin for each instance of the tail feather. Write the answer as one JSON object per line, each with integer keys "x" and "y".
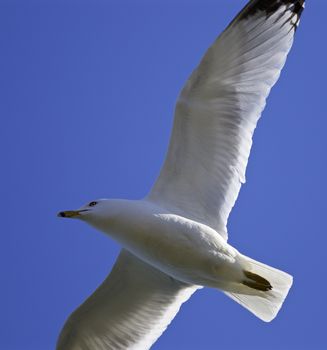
{"x": 268, "y": 288}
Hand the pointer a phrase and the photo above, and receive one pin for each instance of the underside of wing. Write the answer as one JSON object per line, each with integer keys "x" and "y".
{"x": 218, "y": 110}
{"x": 130, "y": 310}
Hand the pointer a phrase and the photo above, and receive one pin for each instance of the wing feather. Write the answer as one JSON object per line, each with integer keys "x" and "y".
{"x": 218, "y": 110}
{"x": 130, "y": 310}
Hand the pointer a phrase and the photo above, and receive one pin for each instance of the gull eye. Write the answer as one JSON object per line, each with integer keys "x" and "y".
{"x": 92, "y": 204}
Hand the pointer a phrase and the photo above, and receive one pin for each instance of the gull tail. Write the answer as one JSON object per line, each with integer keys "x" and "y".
{"x": 263, "y": 289}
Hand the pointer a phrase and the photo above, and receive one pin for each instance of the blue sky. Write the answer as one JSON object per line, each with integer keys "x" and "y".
{"x": 88, "y": 91}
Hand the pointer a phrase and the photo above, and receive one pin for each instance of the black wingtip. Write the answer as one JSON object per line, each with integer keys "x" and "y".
{"x": 269, "y": 7}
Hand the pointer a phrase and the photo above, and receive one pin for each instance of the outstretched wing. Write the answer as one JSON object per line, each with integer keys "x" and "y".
{"x": 218, "y": 110}
{"x": 130, "y": 310}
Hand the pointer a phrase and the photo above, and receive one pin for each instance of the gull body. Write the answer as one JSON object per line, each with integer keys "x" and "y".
{"x": 184, "y": 249}
{"x": 175, "y": 240}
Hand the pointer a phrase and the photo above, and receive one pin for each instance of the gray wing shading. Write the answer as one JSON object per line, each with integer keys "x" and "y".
{"x": 130, "y": 310}
{"x": 218, "y": 110}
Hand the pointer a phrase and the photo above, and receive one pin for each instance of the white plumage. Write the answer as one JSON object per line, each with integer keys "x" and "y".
{"x": 216, "y": 115}
{"x": 175, "y": 239}
{"x": 129, "y": 310}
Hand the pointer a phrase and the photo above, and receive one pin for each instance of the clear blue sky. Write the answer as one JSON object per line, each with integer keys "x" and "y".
{"x": 87, "y": 98}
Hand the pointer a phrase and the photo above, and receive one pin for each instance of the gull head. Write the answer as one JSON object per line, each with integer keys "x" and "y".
{"x": 88, "y": 211}
{"x": 100, "y": 213}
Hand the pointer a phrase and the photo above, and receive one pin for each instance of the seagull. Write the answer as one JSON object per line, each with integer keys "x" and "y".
{"x": 175, "y": 241}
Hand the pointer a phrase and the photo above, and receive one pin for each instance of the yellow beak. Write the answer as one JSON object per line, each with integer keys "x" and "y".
{"x": 70, "y": 213}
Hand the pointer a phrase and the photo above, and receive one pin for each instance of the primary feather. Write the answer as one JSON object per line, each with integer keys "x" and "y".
{"x": 218, "y": 110}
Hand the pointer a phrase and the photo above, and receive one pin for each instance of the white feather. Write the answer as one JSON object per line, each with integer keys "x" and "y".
{"x": 216, "y": 115}
{"x": 130, "y": 310}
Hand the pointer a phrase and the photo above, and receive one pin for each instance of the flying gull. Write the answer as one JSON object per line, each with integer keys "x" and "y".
{"x": 175, "y": 239}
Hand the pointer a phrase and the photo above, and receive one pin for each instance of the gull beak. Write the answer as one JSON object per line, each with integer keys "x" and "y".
{"x": 70, "y": 213}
